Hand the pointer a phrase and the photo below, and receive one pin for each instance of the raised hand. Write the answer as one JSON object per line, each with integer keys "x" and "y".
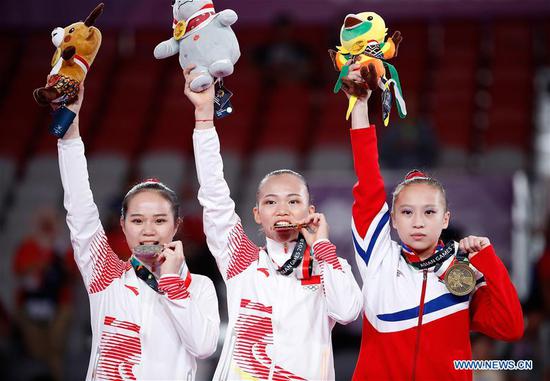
{"x": 354, "y": 82}
{"x": 74, "y": 131}
{"x": 472, "y": 244}
{"x": 171, "y": 257}
{"x": 203, "y": 101}
{"x": 316, "y": 228}
{"x": 75, "y": 106}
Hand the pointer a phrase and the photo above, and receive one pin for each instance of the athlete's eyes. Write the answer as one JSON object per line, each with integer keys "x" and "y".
{"x": 136, "y": 220}
{"x": 406, "y": 212}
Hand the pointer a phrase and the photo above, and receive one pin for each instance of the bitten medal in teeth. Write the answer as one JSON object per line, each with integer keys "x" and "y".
{"x": 283, "y": 225}
{"x": 460, "y": 279}
{"x": 147, "y": 254}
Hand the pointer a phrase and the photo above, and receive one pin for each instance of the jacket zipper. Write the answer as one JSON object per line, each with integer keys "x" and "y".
{"x": 419, "y": 327}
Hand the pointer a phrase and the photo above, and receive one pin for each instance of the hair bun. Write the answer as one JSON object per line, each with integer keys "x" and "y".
{"x": 151, "y": 180}
{"x": 414, "y": 174}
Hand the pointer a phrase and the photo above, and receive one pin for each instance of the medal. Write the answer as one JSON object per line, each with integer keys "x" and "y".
{"x": 146, "y": 264}
{"x": 147, "y": 250}
{"x": 148, "y": 255}
{"x": 460, "y": 279}
{"x": 288, "y": 226}
{"x": 179, "y": 30}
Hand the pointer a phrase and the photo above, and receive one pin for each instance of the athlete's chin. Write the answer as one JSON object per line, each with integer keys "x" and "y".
{"x": 418, "y": 247}
{"x": 283, "y": 235}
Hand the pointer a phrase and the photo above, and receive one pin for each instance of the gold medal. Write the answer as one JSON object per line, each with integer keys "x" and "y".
{"x": 358, "y": 47}
{"x": 460, "y": 279}
{"x": 179, "y": 30}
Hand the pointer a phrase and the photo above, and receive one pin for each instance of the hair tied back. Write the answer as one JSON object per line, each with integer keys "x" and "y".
{"x": 414, "y": 174}
{"x": 151, "y": 180}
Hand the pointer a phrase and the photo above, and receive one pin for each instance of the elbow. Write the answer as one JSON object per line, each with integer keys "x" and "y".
{"x": 516, "y": 330}
{"x": 357, "y": 309}
{"x": 512, "y": 330}
{"x": 350, "y": 314}
{"x": 348, "y": 318}
{"x": 517, "y": 327}
{"x": 515, "y": 337}
{"x": 206, "y": 352}
{"x": 208, "y": 346}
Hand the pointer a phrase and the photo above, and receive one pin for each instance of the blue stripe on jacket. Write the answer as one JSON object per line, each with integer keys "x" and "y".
{"x": 439, "y": 303}
{"x": 366, "y": 254}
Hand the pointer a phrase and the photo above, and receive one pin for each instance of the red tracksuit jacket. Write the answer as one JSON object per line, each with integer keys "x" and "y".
{"x": 413, "y": 328}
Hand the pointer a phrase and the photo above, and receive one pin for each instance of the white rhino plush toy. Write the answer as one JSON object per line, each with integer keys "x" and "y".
{"x": 203, "y": 38}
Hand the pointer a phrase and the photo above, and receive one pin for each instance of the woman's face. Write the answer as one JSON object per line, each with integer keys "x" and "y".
{"x": 149, "y": 220}
{"x": 419, "y": 216}
{"x": 282, "y": 198}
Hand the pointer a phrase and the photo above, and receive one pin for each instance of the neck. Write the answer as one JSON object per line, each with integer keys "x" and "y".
{"x": 284, "y": 236}
{"x": 425, "y": 254}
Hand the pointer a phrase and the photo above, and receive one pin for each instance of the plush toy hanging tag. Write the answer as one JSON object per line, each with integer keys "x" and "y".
{"x": 222, "y": 100}
{"x": 362, "y": 39}
{"x": 76, "y": 48}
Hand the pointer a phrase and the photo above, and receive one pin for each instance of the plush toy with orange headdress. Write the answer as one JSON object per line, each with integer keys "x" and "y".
{"x": 362, "y": 39}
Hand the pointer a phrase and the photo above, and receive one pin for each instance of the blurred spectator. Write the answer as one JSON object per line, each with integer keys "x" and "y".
{"x": 409, "y": 142}
{"x": 452, "y": 233}
{"x": 483, "y": 348}
{"x": 284, "y": 57}
{"x": 543, "y": 270}
{"x": 536, "y": 342}
{"x": 42, "y": 269}
{"x": 5, "y": 333}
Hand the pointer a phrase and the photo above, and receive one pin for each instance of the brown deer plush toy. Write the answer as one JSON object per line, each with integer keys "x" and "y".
{"x": 77, "y": 46}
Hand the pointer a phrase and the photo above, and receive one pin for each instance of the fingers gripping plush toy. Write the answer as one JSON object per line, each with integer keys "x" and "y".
{"x": 203, "y": 38}
{"x": 77, "y": 46}
{"x": 362, "y": 38}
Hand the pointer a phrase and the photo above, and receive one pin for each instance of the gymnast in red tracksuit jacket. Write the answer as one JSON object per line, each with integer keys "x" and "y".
{"x": 413, "y": 326}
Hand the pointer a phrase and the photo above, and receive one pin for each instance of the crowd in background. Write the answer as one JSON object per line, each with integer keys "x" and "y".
{"x": 45, "y": 334}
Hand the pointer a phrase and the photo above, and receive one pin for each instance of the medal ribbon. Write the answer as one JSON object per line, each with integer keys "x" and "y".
{"x": 441, "y": 255}
{"x": 297, "y": 255}
{"x": 144, "y": 274}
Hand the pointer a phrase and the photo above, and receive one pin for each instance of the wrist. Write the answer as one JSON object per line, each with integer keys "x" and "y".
{"x": 320, "y": 240}
{"x": 204, "y": 120}
{"x": 360, "y": 114}
{"x": 73, "y": 131}
{"x": 204, "y": 112}
{"x": 171, "y": 268}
